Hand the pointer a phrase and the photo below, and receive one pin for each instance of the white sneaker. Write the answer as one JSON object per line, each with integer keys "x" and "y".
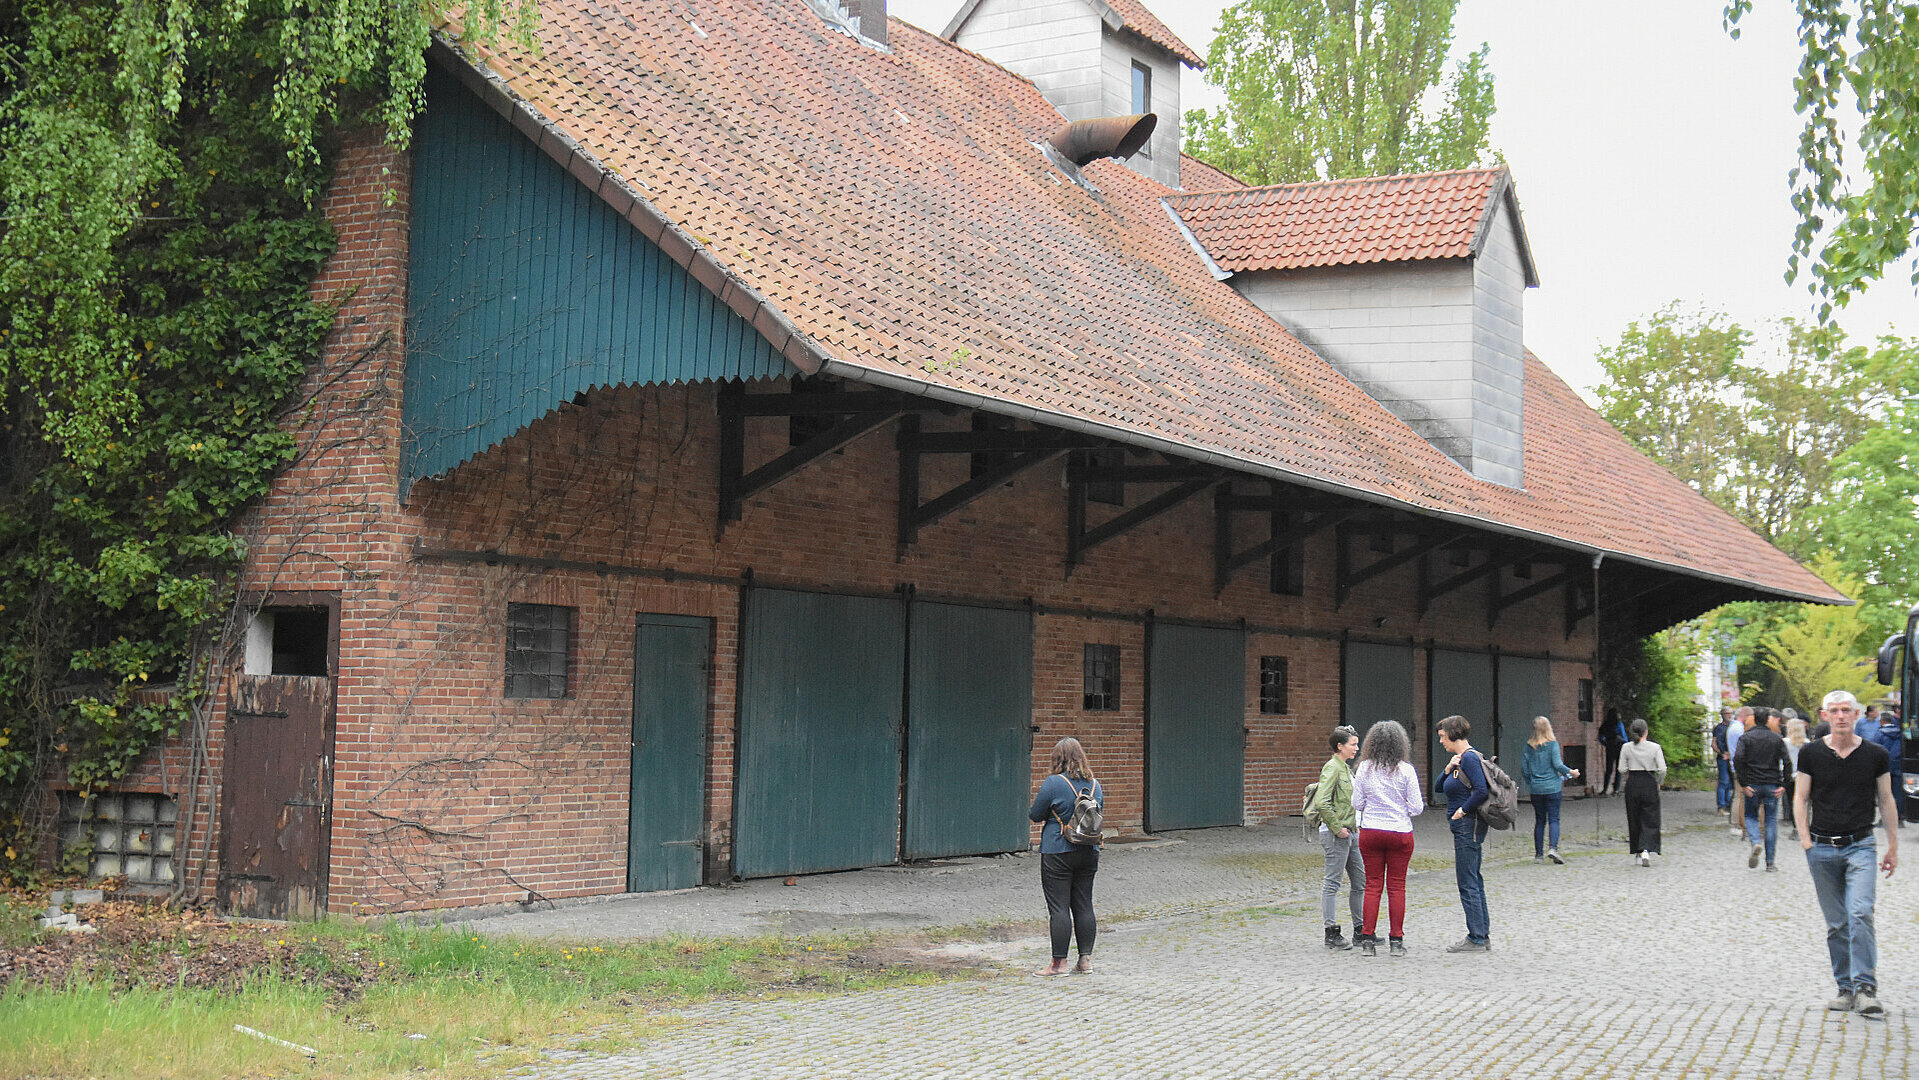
{"x": 1645, "y": 858}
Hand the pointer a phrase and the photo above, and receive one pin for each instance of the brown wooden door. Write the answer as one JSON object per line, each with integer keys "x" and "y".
{"x": 276, "y": 802}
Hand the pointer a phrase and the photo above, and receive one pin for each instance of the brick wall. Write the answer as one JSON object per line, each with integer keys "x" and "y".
{"x": 446, "y": 793}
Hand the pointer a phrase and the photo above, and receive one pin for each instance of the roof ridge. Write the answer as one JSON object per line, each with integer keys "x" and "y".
{"x": 1491, "y": 170}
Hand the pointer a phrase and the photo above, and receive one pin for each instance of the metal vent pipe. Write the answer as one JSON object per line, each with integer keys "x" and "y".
{"x": 1085, "y": 141}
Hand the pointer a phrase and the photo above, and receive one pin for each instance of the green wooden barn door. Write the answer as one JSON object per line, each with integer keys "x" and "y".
{"x": 1378, "y": 686}
{"x": 1195, "y": 727}
{"x": 968, "y": 731}
{"x": 819, "y": 733}
{"x": 671, "y": 656}
{"x": 1525, "y": 691}
{"x": 1462, "y": 686}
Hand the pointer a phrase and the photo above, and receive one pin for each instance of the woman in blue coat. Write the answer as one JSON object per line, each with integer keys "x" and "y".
{"x": 1066, "y": 869}
{"x": 1545, "y": 774}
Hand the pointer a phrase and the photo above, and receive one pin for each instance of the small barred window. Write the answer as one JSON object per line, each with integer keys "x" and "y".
{"x": 1102, "y": 677}
{"x": 1272, "y": 685}
{"x": 537, "y": 648}
{"x": 128, "y": 835}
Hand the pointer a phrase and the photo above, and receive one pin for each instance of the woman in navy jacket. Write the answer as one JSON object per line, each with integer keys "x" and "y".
{"x": 1066, "y": 869}
{"x": 1465, "y": 789}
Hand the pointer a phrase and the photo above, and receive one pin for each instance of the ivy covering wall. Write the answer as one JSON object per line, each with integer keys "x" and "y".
{"x": 160, "y": 164}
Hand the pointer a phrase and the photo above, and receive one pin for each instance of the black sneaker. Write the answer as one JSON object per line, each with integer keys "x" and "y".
{"x": 1368, "y": 945}
{"x": 1336, "y": 941}
{"x": 1396, "y": 946}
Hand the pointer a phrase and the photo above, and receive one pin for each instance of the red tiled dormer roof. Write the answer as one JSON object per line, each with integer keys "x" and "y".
{"x": 1439, "y": 215}
{"x": 886, "y": 216}
{"x": 1128, "y": 15}
{"x": 1134, "y": 16}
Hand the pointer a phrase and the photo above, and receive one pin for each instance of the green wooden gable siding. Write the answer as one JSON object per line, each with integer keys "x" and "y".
{"x": 525, "y": 289}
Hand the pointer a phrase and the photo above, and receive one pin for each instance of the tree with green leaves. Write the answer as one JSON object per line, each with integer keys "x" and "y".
{"x": 159, "y": 236}
{"x": 1327, "y": 89}
{"x": 1870, "y": 521}
{"x": 1824, "y": 648}
{"x": 1760, "y": 439}
{"x": 1857, "y": 216}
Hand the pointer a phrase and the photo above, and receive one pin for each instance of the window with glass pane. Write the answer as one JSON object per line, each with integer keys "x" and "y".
{"x": 1102, "y": 677}
{"x": 537, "y": 646}
{"x": 1142, "y": 88}
{"x": 1272, "y": 685}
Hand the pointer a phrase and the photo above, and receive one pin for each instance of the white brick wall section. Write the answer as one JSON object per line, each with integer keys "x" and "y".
{"x": 1117, "y": 55}
{"x": 1499, "y": 287}
{"x": 1056, "y": 44}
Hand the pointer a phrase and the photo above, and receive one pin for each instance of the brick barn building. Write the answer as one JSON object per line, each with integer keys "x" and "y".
{"x": 754, "y": 432}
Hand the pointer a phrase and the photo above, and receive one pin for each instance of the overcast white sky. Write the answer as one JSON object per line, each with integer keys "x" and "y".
{"x": 1650, "y": 153}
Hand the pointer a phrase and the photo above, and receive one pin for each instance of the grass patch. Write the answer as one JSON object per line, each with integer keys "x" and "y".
{"x": 381, "y": 1002}
{"x": 1275, "y": 864}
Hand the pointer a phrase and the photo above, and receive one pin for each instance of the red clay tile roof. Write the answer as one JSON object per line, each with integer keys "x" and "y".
{"x": 1196, "y": 175}
{"x": 1134, "y": 16}
{"x": 894, "y": 212}
{"x": 1342, "y": 222}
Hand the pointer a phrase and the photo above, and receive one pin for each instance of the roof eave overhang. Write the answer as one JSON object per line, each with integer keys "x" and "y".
{"x": 1070, "y": 422}
{"x": 809, "y": 358}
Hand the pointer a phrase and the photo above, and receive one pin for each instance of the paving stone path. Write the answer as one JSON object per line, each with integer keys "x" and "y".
{"x": 1696, "y": 968}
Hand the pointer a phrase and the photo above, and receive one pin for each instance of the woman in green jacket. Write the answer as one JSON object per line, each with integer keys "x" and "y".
{"x": 1339, "y": 835}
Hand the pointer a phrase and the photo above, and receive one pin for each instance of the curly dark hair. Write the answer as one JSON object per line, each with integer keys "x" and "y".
{"x": 1386, "y": 746}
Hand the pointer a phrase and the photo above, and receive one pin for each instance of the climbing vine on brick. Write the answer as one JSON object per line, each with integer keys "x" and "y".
{"x": 159, "y": 234}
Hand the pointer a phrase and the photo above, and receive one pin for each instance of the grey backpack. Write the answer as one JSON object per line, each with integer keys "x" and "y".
{"x": 1501, "y": 807}
{"x": 1088, "y": 819}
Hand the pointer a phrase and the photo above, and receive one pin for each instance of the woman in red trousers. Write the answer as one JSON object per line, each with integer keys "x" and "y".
{"x": 1387, "y": 795}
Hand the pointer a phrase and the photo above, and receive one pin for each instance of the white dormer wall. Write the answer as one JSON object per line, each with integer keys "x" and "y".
{"x": 1438, "y": 342}
{"x": 1118, "y": 53}
{"x": 1083, "y": 69}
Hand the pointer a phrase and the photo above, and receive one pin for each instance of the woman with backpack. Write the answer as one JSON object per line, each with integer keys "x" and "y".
{"x": 1546, "y": 775}
{"x": 1466, "y": 789}
{"x": 1339, "y": 835}
{"x": 1066, "y": 867}
{"x": 1643, "y": 763}
{"x": 1386, "y": 794}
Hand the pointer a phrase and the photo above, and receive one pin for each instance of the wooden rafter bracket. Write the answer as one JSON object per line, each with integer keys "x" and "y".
{"x": 1494, "y": 564}
{"x": 1347, "y": 577}
{"x": 1502, "y": 601}
{"x": 869, "y": 411}
{"x": 1226, "y": 562}
{"x": 1079, "y": 539}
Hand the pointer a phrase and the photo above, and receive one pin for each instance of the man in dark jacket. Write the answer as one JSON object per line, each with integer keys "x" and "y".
{"x": 1612, "y": 736}
{"x": 1763, "y": 768}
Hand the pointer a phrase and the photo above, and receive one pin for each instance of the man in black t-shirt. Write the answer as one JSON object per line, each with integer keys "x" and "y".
{"x": 1841, "y": 779}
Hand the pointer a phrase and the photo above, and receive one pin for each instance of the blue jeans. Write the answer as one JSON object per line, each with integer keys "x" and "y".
{"x": 1843, "y": 879}
{"x": 1724, "y": 793}
{"x": 1766, "y": 795}
{"x": 1545, "y": 814}
{"x": 1469, "y": 839}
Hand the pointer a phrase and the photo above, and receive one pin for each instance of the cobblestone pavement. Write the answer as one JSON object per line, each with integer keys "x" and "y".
{"x": 1696, "y": 968}
{"x": 1170, "y": 873}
